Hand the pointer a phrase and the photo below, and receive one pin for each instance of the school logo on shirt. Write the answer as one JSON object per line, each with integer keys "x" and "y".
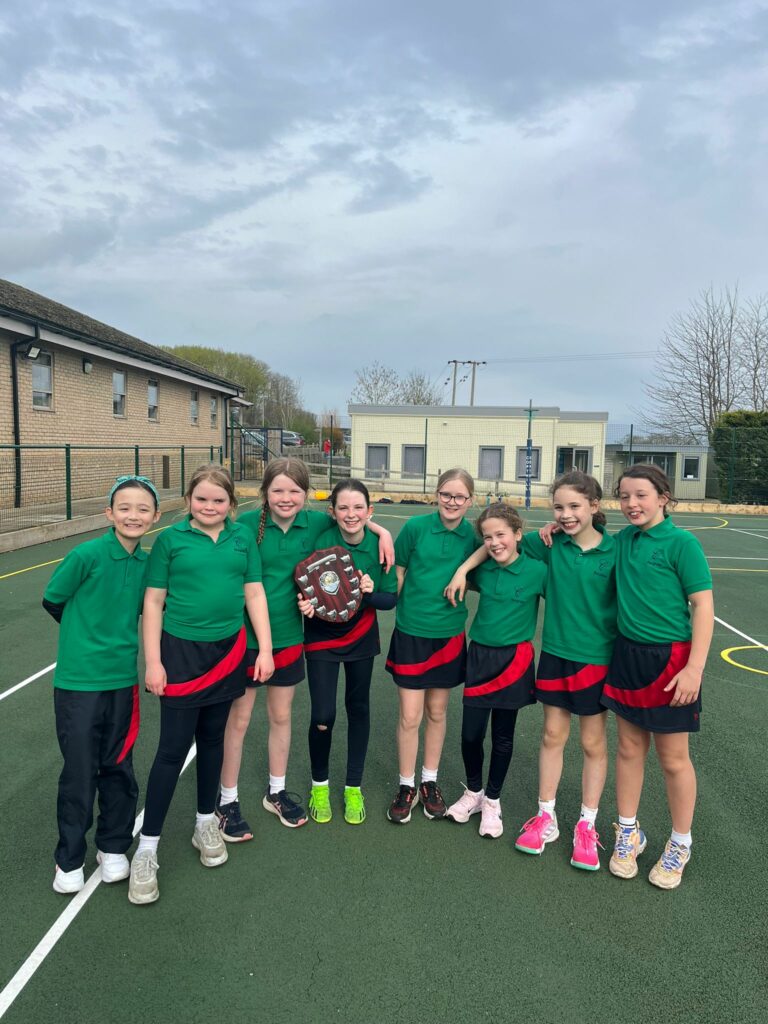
{"x": 518, "y": 594}
{"x": 657, "y": 558}
{"x": 240, "y": 544}
{"x": 603, "y": 568}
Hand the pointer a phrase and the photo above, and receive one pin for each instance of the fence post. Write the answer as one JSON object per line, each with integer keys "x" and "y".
{"x": 211, "y": 453}
{"x": 631, "y": 442}
{"x": 68, "y": 481}
{"x": 182, "y": 470}
{"x": 732, "y": 465}
{"x": 426, "y": 427}
{"x": 136, "y": 460}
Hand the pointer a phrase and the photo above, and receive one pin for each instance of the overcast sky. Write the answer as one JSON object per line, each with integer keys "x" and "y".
{"x": 324, "y": 182}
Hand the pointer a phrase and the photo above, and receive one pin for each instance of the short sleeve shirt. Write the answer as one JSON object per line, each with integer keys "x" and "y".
{"x": 365, "y": 555}
{"x": 509, "y": 601}
{"x": 280, "y": 552}
{"x": 101, "y": 586}
{"x": 204, "y": 579}
{"x": 580, "y": 614}
{"x": 656, "y": 571}
{"x": 431, "y": 554}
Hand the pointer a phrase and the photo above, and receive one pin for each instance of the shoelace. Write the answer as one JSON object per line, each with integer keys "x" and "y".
{"x": 209, "y": 833}
{"x": 535, "y": 824}
{"x": 673, "y": 857}
{"x": 624, "y": 847}
{"x": 587, "y": 836}
{"x": 144, "y": 864}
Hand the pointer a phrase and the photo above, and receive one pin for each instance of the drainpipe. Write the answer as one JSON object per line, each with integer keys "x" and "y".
{"x": 15, "y": 346}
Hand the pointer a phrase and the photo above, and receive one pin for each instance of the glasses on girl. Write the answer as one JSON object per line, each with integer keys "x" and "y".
{"x": 456, "y": 499}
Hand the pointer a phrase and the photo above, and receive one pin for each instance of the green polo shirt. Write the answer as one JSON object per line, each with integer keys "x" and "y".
{"x": 366, "y": 558}
{"x": 656, "y": 570}
{"x": 204, "y": 579}
{"x": 509, "y": 600}
{"x": 280, "y": 552}
{"x": 431, "y": 554}
{"x": 580, "y": 614}
{"x": 101, "y": 587}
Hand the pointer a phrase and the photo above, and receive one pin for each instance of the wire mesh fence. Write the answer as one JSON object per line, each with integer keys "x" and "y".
{"x": 42, "y": 484}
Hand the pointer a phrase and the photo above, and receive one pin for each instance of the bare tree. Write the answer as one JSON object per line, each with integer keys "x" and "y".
{"x": 376, "y": 384}
{"x": 381, "y": 385}
{"x": 418, "y": 389}
{"x": 753, "y": 352}
{"x": 698, "y": 374}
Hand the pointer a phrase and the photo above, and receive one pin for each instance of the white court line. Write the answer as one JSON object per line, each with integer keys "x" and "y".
{"x": 739, "y": 633}
{"x": 747, "y": 533}
{"x": 29, "y": 679}
{"x": 35, "y": 959}
{"x": 735, "y": 558}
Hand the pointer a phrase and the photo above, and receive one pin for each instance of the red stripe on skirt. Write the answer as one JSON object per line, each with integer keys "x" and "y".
{"x": 511, "y": 674}
{"x": 282, "y": 659}
{"x": 653, "y": 695}
{"x": 361, "y": 627}
{"x": 219, "y": 671}
{"x": 443, "y": 656}
{"x": 581, "y": 680}
{"x": 133, "y": 728}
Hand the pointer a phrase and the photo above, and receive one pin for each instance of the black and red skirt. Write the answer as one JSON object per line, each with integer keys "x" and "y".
{"x": 427, "y": 663}
{"x": 576, "y": 686}
{"x": 635, "y": 690}
{"x": 346, "y": 641}
{"x": 500, "y": 677}
{"x": 201, "y": 672}
{"x": 289, "y": 666}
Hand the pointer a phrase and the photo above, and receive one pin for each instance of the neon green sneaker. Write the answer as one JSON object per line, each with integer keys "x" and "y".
{"x": 354, "y": 805}
{"x": 320, "y": 805}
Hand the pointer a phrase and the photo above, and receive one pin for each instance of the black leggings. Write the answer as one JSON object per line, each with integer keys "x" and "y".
{"x": 323, "y": 679}
{"x": 178, "y": 728}
{"x": 473, "y": 728}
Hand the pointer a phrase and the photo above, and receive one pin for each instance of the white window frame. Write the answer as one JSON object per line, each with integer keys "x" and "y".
{"x": 119, "y": 397}
{"x": 697, "y": 460}
{"x": 47, "y": 394}
{"x": 151, "y": 383}
{"x": 194, "y": 406}
{"x": 214, "y": 412}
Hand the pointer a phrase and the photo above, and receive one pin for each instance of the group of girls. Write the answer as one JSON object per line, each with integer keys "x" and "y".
{"x": 205, "y": 660}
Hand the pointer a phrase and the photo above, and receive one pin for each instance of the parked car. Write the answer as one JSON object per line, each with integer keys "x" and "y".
{"x": 291, "y": 439}
{"x": 347, "y": 435}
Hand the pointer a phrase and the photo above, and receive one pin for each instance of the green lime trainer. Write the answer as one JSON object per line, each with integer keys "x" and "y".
{"x": 354, "y": 805}
{"x": 320, "y": 805}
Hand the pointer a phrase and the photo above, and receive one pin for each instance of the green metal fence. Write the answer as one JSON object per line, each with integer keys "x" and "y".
{"x": 47, "y": 483}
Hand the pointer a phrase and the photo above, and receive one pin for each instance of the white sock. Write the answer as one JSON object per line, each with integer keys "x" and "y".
{"x": 205, "y": 819}
{"x": 683, "y": 838}
{"x": 588, "y": 814}
{"x": 276, "y": 783}
{"x": 547, "y": 807}
{"x": 627, "y": 822}
{"x": 228, "y": 794}
{"x": 408, "y": 780}
{"x": 429, "y": 774}
{"x": 147, "y": 843}
{"x": 314, "y": 783}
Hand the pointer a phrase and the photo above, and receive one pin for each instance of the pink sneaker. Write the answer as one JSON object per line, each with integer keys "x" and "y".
{"x": 490, "y": 823}
{"x": 469, "y": 803}
{"x": 537, "y": 832}
{"x": 585, "y": 844}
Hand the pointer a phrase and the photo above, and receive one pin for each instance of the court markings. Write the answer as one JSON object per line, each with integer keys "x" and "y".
{"x": 748, "y": 533}
{"x": 727, "y": 655}
{"x": 18, "y": 982}
{"x": 25, "y": 682}
{"x": 55, "y": 561}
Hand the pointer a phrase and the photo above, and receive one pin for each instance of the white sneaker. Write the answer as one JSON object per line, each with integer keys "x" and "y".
{"x": 114, "y": 866}
{"x": 469, "y": 803}
{"x": 67, "y": 882}
{"x": 208, "y": 840}
{"x": 490, "y": 823}
{"x": 143, "y": 887}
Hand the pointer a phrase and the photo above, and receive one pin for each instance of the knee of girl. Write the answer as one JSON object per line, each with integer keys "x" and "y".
{"x": 410, "y": 722}
{"x": 280, "y": 718}
{"x": 323, "y": 726}
{"x": 553, "y": 737}
{"x": 675, "y": 764}
{"x": 594, "y": 747}
{"x": 436, "y": 714}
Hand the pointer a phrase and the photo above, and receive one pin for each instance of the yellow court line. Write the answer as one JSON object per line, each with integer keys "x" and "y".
{"x": 721, "y": 525}
{"x": 726, "y": 656}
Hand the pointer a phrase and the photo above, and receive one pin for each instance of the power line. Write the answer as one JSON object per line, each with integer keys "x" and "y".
{"x": 588, "y": 357}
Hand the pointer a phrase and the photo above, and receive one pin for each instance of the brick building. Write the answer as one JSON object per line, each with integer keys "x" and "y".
{"x": 66, "y": 379}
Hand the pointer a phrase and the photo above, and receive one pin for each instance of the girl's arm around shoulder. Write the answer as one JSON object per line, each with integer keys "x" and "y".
{"x": 67, "y": 577}
{"x": 687, "y": 682}
{"x": 386, "y": 544}
{"x": 456, "y": 589}
{"x": 258, "y": 613}
{"x": 534, "y": 546}
{"x": 155, "y": 678}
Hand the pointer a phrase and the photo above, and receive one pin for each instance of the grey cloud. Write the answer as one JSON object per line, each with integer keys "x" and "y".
{"x": 385, "y": 185}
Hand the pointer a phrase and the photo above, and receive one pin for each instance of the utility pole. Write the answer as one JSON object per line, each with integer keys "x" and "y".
{"x": 474, "y": 363}
{"x": 455, "y": 364}
{"x": 529, "y": 455}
